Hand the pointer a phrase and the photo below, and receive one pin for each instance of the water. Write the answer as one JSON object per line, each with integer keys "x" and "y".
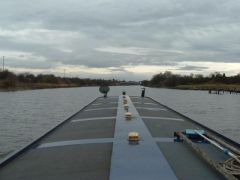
{"x": 26, "y": 115}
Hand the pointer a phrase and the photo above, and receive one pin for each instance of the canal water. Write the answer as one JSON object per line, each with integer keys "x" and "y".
{"x": 26, "y": 115}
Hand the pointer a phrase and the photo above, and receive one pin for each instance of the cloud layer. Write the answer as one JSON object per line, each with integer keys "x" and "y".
{"x": 120, "y": 39}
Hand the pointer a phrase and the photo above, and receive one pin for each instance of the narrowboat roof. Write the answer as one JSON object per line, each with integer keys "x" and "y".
{"x": 93, "y": 144}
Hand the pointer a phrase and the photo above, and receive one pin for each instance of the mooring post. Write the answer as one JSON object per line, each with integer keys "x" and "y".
{"x": 143, "y": 92}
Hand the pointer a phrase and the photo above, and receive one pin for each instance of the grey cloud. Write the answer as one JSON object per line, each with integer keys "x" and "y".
{"x": 201, "y": 30}
{"x": 28, "y": 64}
{"x": 191, "y": 68}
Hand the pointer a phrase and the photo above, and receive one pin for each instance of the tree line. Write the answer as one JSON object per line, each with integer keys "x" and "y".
{"x": 10, "y": 79}
{"x": 168, "y": 79}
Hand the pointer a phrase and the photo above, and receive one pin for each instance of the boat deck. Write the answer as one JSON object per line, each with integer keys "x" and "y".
{"x": 92, "y": 144}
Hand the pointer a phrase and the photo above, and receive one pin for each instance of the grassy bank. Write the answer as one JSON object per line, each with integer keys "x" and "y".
{"x": 209, "y": 87}
{"x": 27, "y": 86}
{"x": 46, "y": 85}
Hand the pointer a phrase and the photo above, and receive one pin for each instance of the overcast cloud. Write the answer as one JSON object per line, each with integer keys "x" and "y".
{"x": 120, "y": 39}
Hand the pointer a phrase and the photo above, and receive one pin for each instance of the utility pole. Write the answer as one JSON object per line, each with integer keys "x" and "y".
{"x": 3, "y": 64}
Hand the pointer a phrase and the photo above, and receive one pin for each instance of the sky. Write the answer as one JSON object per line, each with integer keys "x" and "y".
{"x": 126, "y": 40}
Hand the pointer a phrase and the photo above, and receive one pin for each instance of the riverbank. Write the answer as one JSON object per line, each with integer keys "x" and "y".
{"x": 11, "y": 81}
{"x": 215, "y": 81}
{"x": 225, "y": 87}
{"x": 204, "y": 87}
{"x": 29, "y": 86}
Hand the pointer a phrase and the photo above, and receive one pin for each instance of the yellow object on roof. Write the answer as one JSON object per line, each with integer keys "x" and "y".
{"x": 133, "y": 136}
{"x": 128, "y": 115}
